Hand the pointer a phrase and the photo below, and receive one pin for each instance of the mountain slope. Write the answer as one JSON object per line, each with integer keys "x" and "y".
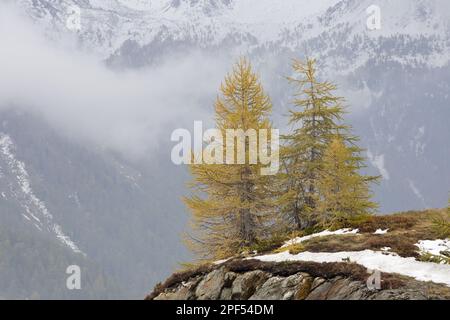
{"x": 33, "y": 265}
{"x": 113, "y": 212}
{"x": 119, "y": 213}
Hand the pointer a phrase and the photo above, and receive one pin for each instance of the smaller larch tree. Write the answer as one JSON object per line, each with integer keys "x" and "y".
{"x": 344, "y": 196}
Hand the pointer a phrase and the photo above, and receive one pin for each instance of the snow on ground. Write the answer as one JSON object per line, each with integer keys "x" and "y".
{"x": 434, "y": 247}
{"x": 381, "y": 231}
{"x": 320, "y": 234}
{"x": 422, "y": 271}
{"x": 221, "y": 261}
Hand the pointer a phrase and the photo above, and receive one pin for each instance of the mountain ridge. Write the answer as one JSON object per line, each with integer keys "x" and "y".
{"x": 113, "y": 24}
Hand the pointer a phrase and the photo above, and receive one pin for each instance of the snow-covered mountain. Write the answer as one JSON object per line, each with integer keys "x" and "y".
{"x": 107, "y": 24}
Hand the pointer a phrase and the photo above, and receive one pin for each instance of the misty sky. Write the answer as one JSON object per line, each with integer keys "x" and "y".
{"x": 124, "y": 111}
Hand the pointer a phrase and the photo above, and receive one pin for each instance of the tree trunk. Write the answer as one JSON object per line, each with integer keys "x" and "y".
{"x": 246, "y": 221}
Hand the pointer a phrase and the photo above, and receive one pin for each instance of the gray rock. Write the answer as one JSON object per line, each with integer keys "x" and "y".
{"x": 317, "y": 282}
{"x": 229, "y": 278}
{"x": 346, "y": 289}
{"x": 259, "y": 285}
{"x": 211, "y": 286}
{"x": 280, "y": 288}
{"x": 185, "y": 291}
{"x": 338, "y": 289}
{"x": 320, "y": 292}
{"x": 270, "y": 290}
{"x": 225, "y": 294}
{"x": 245, "y": 285}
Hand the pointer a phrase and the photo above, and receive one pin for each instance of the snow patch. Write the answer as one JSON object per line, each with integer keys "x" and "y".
{"x": 387, "y": 250}
{"x": 380, "y": 231}
{"x": 320, "y": 234}
{"x": 434, "y": 247}
{"x": 220, "y": 261}
{"x": 422, "y": 271}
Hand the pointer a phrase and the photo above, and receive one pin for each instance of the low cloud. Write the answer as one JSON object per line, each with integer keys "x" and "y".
{"x": 125, "y": 111}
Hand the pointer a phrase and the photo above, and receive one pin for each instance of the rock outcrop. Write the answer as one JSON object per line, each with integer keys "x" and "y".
{"x": 255, "y": 280}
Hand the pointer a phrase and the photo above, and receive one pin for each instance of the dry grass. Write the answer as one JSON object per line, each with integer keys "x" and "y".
{"x": 394, "y": 222}
{"x": 179, "y": 277}
{"x": 403, "y": 245}
{"x": 405, "y": 230}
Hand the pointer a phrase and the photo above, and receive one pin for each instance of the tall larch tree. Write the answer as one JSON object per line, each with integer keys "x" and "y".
{"x": 231, "y": 203}
{"x": 316, "y": 118}
{"x": 344, "y": 193}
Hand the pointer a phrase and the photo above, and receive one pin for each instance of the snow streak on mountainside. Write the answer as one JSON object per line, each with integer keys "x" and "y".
{"x": 412, "y": 33}
{"x": 35, "y": 210}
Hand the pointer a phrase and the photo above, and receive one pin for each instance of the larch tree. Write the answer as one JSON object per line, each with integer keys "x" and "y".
{"x": 441, "y": 222}
{"x": 316, "y": 118}
{"x": 232, "y": 202}
{"x": 344, "y": 193}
